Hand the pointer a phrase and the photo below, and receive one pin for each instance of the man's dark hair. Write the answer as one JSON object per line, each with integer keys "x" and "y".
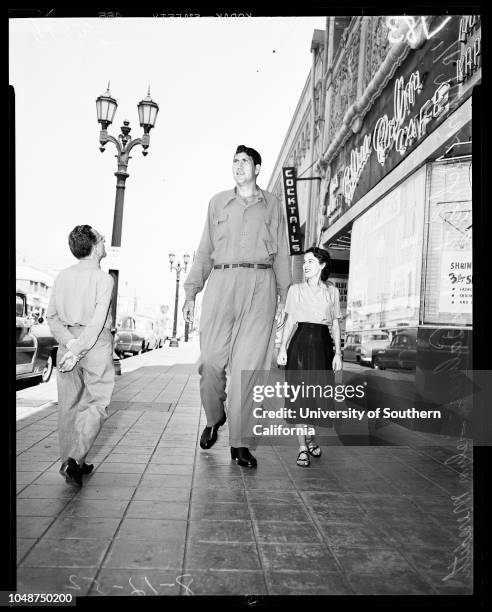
{"x": 323, "y": 257}
{"x": 255, "y": 156}
{"x": 81, "y": 240}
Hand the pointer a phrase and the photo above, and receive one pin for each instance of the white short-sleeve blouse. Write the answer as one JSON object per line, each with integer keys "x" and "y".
{"x": 303, "y": 305}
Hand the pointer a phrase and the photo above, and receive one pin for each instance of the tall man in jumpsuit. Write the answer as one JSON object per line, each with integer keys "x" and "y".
{"x": 244, "y": 255}
{"x": 79, "y": 317}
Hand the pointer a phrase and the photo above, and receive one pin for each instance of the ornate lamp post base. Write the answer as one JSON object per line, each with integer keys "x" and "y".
{"x": 116, "y": 359}
{"x": 117, "y": 365}
{"x": 174, "y": 342}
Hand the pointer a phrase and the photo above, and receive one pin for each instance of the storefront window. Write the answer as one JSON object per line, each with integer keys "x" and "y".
{"x": 386, "y": 259}
{"x": 447, "y": 295}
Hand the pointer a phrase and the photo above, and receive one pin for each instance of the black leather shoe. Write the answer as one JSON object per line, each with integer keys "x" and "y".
{"x": 242, "y": 456}
{"x": 71, "y": 471}
{"x": 87, "y": 468}
{"x": 209, "y": 434}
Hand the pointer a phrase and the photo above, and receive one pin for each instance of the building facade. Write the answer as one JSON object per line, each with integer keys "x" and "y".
{"x": 302, "y": 146}
{"x": 394, "y": 203}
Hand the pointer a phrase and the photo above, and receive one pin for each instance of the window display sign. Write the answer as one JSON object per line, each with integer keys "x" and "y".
{"x": 448, "y": 281}
{"x": 456, "y": 290}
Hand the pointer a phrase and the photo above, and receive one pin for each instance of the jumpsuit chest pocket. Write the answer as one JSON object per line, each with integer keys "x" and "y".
{"x": 220, "y": 226}
{"x": 266, "y": 235}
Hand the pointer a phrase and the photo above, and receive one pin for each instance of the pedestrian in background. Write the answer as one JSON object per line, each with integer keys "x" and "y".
{"x": 244, "y": 255}
{"x": 308, "y": 355}
{"x": 79, "y": 317}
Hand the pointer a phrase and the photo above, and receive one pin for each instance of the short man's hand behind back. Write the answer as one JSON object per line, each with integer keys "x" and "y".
{"x": 188, "y": 310}
{"x": 67, "y": 362}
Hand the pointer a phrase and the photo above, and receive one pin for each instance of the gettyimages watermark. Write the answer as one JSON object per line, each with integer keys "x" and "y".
{"x": 414, "y": 407}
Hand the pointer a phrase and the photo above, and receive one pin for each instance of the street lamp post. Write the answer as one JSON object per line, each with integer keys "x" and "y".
{"x": 178, "y": 268}
{"x": 106, "y": 109}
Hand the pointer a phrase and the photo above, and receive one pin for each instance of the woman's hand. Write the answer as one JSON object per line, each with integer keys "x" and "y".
{"x": 337, "y": 363}
{"x": 282, "y": 357}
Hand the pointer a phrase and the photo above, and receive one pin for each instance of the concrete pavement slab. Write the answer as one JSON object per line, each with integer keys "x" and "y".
{"x": 159, "y": 515}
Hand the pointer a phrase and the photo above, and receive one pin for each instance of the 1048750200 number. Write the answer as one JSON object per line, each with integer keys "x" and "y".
{"x": 27, "y": 598}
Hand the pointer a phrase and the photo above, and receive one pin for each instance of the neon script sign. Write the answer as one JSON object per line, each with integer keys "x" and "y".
{"x": 416, "y": 28}
{"x": 399, "y": 132}
{"x": 469, "y": 60}
{"x": 389, "y": 133}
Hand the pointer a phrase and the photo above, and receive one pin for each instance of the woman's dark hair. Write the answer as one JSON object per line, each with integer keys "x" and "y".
{"x": 323, "y": 257}
{"x": 81, "y": 240}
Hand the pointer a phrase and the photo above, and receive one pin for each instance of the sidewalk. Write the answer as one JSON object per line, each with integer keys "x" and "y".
{"x": 161, "y": 516}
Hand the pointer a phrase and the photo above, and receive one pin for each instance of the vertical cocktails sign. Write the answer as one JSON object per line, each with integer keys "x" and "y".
{"x": 292, "y": 209}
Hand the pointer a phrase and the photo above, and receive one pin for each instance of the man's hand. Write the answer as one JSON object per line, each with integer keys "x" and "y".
{"x": 282, "y": 357}
{"x": 280, "y": 314}
{"x": 188, "y": 310}
{"x": 67, "y": 362}
{"x": 337, "y": 363}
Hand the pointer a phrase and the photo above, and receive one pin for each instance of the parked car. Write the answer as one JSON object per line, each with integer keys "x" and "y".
{"x": 351, "y": 347}
{"x": 36, "y": 348}
{"x": 127, "y": 339}
{"x": 371, "y": 344}
{"x": 147, "y": 327}
{"x": 137, "y": 334}
{"x": 362, "y": 346}
{"x": 401, "y": 353}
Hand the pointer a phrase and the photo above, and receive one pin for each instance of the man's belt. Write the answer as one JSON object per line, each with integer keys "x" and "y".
{"x": 242, "y": 265}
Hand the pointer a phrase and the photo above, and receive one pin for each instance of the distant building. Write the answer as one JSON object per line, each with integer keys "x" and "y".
{"x": 36, "y": 284}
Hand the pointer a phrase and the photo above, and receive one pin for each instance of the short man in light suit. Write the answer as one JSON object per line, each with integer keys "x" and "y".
{"x": 79, "y": 317}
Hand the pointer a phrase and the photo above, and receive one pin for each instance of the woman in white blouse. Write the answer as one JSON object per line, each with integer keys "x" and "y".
{"x": 313, "y": 306}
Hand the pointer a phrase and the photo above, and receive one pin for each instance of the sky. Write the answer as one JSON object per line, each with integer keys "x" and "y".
{"x": 218, "y": 82}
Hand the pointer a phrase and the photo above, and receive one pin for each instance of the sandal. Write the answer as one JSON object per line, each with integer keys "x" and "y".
{"x": 303, "y": 459}
{"x": 312, "y": 447}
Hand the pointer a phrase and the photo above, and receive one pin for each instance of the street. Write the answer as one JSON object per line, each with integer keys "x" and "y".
{"x": 160, "y": 516}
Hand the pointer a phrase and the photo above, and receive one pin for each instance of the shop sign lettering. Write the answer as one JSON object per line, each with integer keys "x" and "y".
{"x": 293, "y": 222}
{"x": 389, "y": 133}
{"x": 358, "y": 160}
{"x": 395, "y": 25}
{"x": 399, "y": 132}
{"x": 471, "y": 51}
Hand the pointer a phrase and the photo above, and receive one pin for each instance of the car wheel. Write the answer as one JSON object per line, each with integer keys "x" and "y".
{"x": 142, "y": 349}
{"x": 48, "y": 370}
{"x": 377, "y": 364}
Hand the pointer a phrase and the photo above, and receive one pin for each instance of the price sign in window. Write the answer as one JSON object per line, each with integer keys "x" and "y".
{"x": 449, "y": 268}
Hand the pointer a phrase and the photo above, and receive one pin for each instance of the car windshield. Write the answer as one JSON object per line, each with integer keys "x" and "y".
{"x": 127, "y": 324}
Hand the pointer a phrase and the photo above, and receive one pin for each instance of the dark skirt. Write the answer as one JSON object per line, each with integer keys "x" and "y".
{"x": 309, "y": 362}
